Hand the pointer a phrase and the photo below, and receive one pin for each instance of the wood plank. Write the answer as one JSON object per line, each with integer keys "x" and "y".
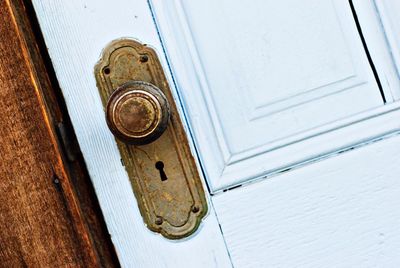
{"x": 75, "y": 32}
{"x": 340, "y": 212}
{"x": 41, "y": 218}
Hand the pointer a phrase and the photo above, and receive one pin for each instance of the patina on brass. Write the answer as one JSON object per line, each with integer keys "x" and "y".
{"x": 140, "y": 110}
{"x": 137, "y": 112}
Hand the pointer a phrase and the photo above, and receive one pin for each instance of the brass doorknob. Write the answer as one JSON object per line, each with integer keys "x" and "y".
{"x": 137, "y": 112}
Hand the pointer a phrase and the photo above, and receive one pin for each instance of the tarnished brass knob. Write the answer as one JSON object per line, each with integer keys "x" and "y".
{"x": 137, "y": 112}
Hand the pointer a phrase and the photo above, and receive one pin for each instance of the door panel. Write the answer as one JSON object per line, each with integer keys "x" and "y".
{"x": 259, "y": 77}
{"x": 341, "y": 212}
{"x": 76, "y": 32}
{"x": 225, "y": 76}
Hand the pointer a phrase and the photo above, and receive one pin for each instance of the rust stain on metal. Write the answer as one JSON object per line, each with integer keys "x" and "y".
{"x": 163, "y": 173}
{"x": 137, "y": 112}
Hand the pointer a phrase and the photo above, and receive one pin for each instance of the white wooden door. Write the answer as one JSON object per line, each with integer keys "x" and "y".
{"x": 293, "y": 113}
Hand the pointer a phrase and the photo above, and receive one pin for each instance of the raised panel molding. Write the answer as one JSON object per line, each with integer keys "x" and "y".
{"x": 388, "y": 11}
{"x": 234, "y": 151}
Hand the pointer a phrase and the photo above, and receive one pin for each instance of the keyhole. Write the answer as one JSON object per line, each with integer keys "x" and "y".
{"x": 160, "y": 167}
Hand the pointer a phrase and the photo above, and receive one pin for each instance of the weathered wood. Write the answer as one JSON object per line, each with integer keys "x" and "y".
{"x": 48, "y": 218}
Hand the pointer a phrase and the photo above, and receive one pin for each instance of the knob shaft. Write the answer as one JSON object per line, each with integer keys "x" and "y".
{"x": 137, "y": 112}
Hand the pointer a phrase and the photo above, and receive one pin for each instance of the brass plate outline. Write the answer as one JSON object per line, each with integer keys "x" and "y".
{"x": 175, "y": 207}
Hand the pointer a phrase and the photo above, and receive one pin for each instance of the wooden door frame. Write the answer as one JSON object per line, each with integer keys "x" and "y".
{"x": 49, "y": 214}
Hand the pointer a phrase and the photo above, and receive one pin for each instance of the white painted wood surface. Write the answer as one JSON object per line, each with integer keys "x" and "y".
{"x": 379, "y": 49}
{"x": 75, "y": 32}
{"x": 340, "y": 212}
{"x": 257, "y": 78}
{"x": 389, "y": 15}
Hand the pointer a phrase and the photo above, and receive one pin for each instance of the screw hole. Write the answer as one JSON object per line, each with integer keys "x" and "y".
{"x": 195, "y": 209}
{"x": 159, "y": 220}
{"x": 107, "y": 70}
{"x": 160, "y": 166}
{"x": 144, "y": 58}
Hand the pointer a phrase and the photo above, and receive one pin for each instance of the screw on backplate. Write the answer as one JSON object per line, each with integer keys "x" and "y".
{"x": 195, "y": 209}
{"x": 159, "y": 220}
{"x": 107, "y": 70}
{"x": 144, "y": 58}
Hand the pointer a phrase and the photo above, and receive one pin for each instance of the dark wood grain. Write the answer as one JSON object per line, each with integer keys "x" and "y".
{"x": 48, "y": 213}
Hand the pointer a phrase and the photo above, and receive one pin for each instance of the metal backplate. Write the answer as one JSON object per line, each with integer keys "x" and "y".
{"x": 163, "y": 173}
